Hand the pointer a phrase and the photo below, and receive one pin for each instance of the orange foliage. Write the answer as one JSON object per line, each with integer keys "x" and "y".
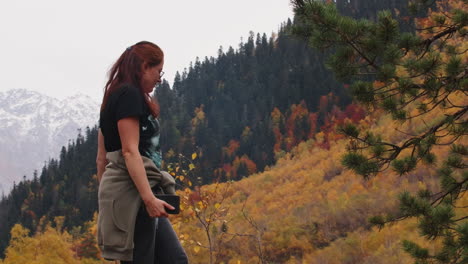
{"x": 231, "y": 149}
{"x": 277, "y": 118}
{"x": 251, "y": 166}
{"x": 199, "y": 117}
{"x": 301, "y": 124}
{"x": 294, "y": 133}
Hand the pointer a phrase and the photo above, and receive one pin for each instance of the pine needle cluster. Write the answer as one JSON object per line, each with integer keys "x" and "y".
{"x": 417, "y": 77}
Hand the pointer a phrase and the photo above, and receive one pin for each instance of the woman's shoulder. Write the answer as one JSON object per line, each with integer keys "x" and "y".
{"x": 125, "y": 91}
{"x": 127, "y": 88}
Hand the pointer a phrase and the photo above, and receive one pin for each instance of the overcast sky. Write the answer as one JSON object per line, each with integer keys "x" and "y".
{"x": 61, "y": 47}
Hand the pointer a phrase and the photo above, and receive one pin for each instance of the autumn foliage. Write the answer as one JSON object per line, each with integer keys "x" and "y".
{"x": 51, "y": 245}
{"x": 306, "y": 209}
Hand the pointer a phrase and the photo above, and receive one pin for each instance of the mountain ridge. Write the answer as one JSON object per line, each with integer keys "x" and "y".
{"x": 34, "y": 127}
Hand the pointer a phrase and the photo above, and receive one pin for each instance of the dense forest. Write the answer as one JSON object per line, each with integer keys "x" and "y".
{"x": 226, "y": 106}
{"x": 270, "y": 109}
{"x": 223, "y": 106}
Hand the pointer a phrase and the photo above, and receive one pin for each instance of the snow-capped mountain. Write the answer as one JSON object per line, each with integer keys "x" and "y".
{"x": 34, "y": 127}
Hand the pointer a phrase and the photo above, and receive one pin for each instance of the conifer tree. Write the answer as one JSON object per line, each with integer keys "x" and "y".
{"x": 411, "y": 76}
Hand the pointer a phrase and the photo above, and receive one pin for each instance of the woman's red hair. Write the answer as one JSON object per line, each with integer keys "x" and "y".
{"x": 128, "y": 69}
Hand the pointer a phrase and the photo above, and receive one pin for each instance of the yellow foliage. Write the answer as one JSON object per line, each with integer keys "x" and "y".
{"x": 303, "y": 203}
{"x": 199, "y": 116}
{"x": 50, "y": 246}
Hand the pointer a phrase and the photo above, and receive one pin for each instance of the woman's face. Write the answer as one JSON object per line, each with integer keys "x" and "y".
{"x": 151, "y": 77}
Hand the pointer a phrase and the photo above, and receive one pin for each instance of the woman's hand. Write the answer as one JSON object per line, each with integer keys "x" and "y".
{"x": 156, "y": 207}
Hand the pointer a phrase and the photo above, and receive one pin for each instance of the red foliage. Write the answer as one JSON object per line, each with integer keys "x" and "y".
{"x": 194, "y": 196}
{"x": 325, "y": 144}
{"x": 251, "y": 166}
{"x": 323, "y": 104}
{"x": 328, "y": 109}
{"x": 232, "y": 147}
{"x": 338, "y": 116}
{"x": 296, "y": 125}
{"x": 355, "y": 113}
{"x": 313, "y": 124}
{"x": 31, "y": 214}
{"x": 227, "y": 168}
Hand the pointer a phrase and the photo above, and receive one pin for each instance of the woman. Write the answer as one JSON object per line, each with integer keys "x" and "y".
{"x": 128, "y": 163}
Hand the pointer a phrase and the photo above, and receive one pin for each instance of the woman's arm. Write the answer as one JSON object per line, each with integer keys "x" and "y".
{"x": 101, "y": 160}
{"x": 129, "y": 136}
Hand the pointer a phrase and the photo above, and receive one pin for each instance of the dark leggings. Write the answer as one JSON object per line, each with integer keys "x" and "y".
{"x": 155, "y": 242}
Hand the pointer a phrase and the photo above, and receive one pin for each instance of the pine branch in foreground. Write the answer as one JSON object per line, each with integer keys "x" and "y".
{"x": 414, "y": 77}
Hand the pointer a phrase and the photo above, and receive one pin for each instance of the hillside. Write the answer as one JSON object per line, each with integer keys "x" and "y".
{"x": 308, "y": 209}
{"x": 305, "y": 209}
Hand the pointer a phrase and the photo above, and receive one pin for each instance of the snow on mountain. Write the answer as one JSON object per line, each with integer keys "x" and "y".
{"x": 34, "y": 127}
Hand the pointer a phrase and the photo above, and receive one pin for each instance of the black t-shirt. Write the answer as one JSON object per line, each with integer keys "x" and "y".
{"x": 128, "y": 101}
